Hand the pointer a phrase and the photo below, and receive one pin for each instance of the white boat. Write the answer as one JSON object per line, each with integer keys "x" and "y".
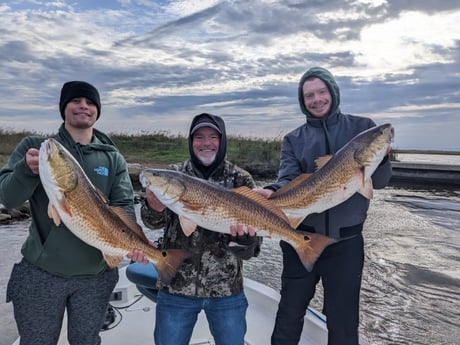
{"x": 134, "y": 318}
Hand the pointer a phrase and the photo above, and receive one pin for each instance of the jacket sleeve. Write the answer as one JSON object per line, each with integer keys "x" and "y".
{"x": 244, "y": 178}
{"x": 245, "y": 247}
{"x": 17, "y": 181}
{"x": 289, "y": 167}
{"x": 382, "y": 175}
{"x": 154, "y": 219}
{"x": 158, "y": 220}
{"x": 122, "y": 193}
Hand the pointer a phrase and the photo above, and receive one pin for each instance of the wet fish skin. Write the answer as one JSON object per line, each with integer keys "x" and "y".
{"x": 199, "y": 202}
{"x": 85, "y": 211}
{"x": 338, "y": 178}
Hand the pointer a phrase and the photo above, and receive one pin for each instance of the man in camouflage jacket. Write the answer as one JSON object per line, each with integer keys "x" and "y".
{"x": 212, "y": 279}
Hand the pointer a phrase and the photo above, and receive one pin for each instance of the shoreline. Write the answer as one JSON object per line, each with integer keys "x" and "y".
{"x": 407, "y": 174}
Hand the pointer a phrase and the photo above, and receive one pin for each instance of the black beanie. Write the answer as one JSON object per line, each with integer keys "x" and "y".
{"x": 74, "y": 89}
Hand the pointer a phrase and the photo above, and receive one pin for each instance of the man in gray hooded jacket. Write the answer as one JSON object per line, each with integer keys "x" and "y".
{"x": 340, "y": 266}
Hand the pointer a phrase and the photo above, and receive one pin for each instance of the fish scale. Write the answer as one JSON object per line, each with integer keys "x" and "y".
{"x": 85, "y": 212}
{"x": 199, "y": 202}
{"x": 347, "y": 172}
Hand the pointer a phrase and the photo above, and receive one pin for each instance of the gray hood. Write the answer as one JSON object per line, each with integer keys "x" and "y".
{"x": 329, "y": 80}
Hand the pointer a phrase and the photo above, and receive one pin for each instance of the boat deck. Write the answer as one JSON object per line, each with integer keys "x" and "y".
{"x": 134, "y": 318}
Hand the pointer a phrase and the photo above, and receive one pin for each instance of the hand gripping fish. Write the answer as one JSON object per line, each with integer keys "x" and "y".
{"x": 85, "y": 211}
{"x": 199, "y": 202}
{"x": 338, "y": 177}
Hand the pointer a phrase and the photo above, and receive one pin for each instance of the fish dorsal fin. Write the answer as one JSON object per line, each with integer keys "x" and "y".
{"x": 293, "y": 184}
{"x": 295, "y": 221}
{"x": 259, "y": 199}
{"x": 112, "y": 261}
{"x": 188, "y": 226}
{"x": 321, "y": 161}
{"x": 130, "y": 223}
{"x": 52, "y": 213}
{"x": 102, "y": 196}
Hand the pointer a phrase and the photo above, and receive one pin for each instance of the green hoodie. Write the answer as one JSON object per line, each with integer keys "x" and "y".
{"x": 54, "y": 248}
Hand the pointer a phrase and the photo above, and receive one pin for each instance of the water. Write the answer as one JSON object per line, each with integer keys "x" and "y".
{"x": 411, "y": 280}
{"x": 431, "y": 159}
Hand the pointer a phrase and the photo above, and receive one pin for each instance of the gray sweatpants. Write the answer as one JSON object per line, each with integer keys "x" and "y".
{"x": 40, "y": 299}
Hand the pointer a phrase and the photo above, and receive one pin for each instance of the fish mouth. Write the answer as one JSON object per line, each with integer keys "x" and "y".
{"x": 145, "y": 182}
{"x": 45, "y": 150}
{"x": 389, "y": 131}
{"x": 389, "y": 128}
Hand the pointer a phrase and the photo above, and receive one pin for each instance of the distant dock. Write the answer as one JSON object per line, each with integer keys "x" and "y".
{"x": 427, "y": 167}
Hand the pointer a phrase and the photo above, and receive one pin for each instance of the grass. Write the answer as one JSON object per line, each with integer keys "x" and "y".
{"x": 259, "y": 156}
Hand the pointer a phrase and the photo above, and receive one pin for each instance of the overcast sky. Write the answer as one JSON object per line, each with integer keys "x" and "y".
{"x": 159, "y": 63}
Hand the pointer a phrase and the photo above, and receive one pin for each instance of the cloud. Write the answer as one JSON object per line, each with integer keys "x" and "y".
{"x": 158, "y": 63}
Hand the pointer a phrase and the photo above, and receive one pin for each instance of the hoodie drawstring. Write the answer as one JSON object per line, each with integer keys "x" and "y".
{"x": 329, "y": 146}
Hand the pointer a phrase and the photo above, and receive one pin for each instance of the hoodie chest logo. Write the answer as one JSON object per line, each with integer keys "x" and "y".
{"x": 104, "y": 171}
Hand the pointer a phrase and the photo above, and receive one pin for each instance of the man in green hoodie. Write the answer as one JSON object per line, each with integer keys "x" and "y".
{"x": 58, "y": 271}
{"x": 340, "y": 265}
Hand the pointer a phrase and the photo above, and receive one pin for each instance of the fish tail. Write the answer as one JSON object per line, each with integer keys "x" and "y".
{"x": 168, "y": 266}
{"x": 312, "y": 247}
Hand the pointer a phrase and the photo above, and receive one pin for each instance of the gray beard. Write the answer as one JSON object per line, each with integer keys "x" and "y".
{"x": 207, "y": 161}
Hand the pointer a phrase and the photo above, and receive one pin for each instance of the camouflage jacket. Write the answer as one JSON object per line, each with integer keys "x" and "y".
{"x": 214, "y": 270}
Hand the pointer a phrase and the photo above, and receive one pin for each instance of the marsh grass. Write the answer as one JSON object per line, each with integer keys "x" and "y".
{"x": 8, "y": 141}
{"x": 259, "y": 156}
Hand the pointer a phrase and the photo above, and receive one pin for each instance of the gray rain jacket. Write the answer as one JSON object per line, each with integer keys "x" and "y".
{"x": 214, "y": 270}
{"x": 319, "y": 137}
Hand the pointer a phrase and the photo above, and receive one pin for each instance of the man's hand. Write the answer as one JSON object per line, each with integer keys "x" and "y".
{"x": 388, "y": 150}
{"x": 264, "y": 192}
{"x": 244, "y": 245}
{"x": 32, "y": 160}
{"x": 153, "y": 202}
{"x": 238, "y": 230}
{"x": 138, "y": 255}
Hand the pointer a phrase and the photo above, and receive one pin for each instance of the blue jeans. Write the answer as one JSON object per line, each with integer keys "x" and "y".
{"x": 176, "y": 316}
